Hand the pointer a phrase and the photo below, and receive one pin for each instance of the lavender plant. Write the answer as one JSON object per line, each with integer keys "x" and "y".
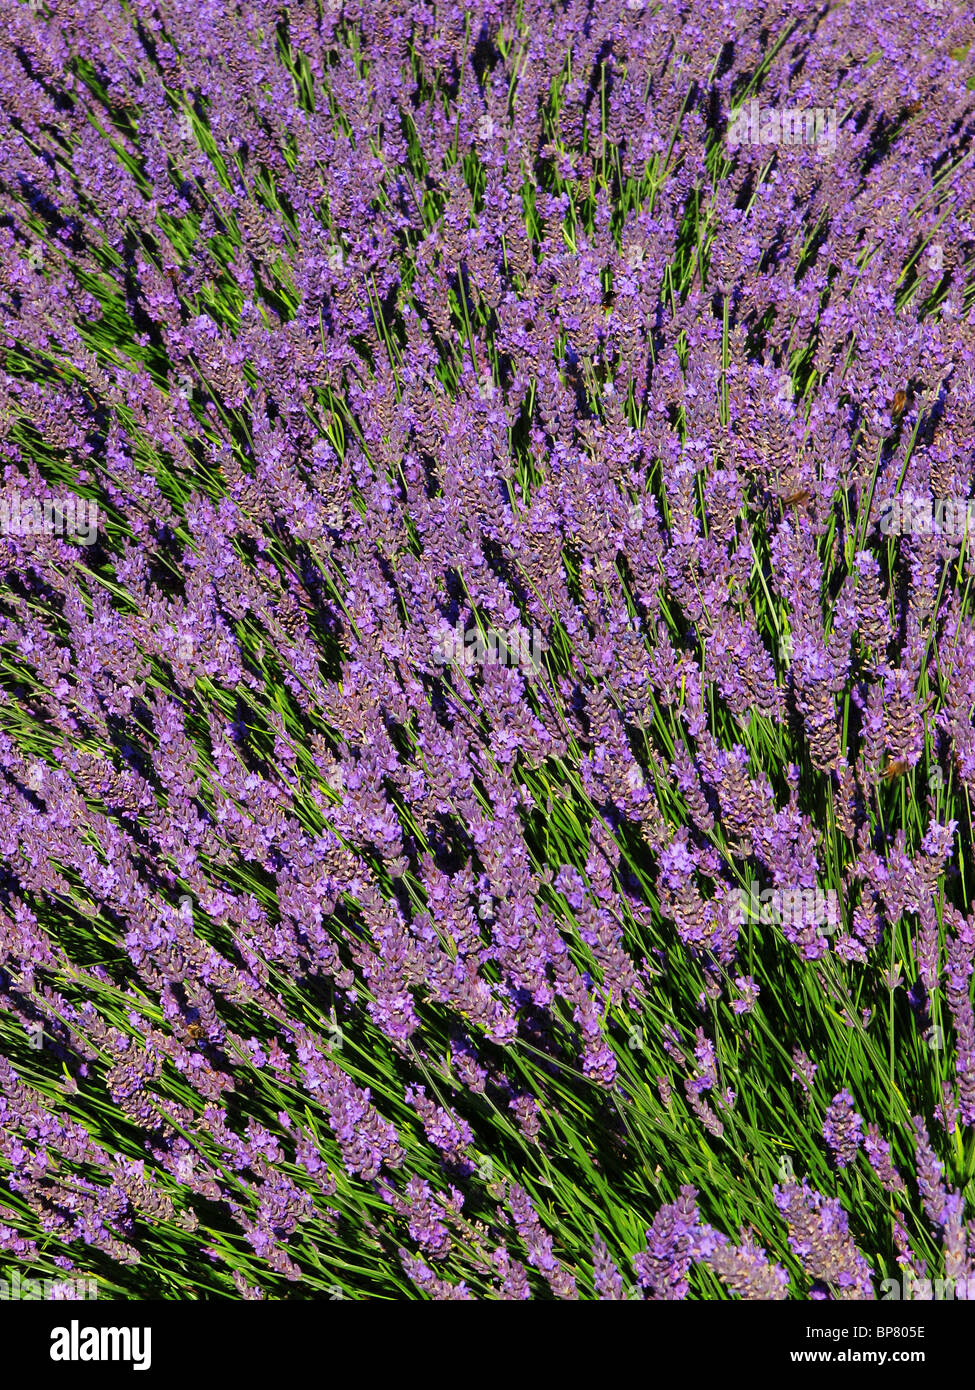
{"x": 346, "y": 346}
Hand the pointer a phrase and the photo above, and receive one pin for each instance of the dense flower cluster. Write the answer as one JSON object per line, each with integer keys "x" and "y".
{"x": 335, "y": 960}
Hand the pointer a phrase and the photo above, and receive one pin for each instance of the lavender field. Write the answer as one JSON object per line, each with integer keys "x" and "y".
{"x": 488, "y": 649}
